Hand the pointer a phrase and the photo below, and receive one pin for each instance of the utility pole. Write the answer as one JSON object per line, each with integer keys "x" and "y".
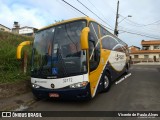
{"x": 116, "y": 24}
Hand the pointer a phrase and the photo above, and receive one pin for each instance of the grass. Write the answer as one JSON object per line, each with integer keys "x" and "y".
{"x": 10, "y": 67}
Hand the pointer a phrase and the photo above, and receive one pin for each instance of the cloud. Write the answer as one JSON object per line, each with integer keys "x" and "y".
{"x": 25, "y": 15}
{"x": 36, "y": 13}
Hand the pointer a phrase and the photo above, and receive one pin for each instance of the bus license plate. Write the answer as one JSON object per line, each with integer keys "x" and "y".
{"x": 55, "y": 95}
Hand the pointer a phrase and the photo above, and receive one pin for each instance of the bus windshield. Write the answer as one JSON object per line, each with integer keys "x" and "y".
{"x": 57, "y": 52}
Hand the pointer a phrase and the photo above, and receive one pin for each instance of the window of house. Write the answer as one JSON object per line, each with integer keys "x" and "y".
{"x": 136, "y": 56}
{"x": 146, "y": 56}
{"x": 156, "y": 47}
{"x": 145, "y": 48}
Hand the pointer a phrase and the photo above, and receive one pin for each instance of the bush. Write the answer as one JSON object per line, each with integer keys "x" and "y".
{"x": 10, "y": 67}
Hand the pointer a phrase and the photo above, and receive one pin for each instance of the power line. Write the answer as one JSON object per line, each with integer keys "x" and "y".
{"x": 107, "y": 23}
{"x": 148, "y": 34}
{"x": 139, "y": 34}
{"x": 142, "y": 29}
{"x": 112, "y": 8}
{"x": 75, "y": 8}
{"x": 83, "y": 13}
{"x": 141, "y": 25}
{"x": 145, "y": 30}
{"x": 93, "y": 13}
{"x": 70, "y": 8}
{"x": 97, "y": 10}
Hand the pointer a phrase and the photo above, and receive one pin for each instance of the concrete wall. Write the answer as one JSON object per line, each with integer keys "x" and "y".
{"x": 151, "y": 47}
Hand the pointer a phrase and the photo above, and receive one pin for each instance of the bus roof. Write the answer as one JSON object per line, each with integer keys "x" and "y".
{"x": 66, "y": 21}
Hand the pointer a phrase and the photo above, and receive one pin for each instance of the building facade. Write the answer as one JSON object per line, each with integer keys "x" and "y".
{"x": 28, "y": 31}
{"x": 15, "y": 28}
{"x": 4, "y": 28}
{"x": 150, "y": 52}
{"x": 133, "y": 48}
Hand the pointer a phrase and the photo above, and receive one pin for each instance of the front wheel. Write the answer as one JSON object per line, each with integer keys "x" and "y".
{"x": 36, "y": 98}
{"x": 106, "y": 82}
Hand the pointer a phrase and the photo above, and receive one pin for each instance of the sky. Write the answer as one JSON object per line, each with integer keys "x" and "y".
{"x": 145, "y": 20}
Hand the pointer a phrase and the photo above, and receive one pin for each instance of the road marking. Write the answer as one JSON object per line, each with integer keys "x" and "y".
{"x": 123, "y": 78}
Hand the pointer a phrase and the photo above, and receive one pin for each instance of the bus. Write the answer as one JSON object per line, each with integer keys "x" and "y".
{"x": 76, "y": 59}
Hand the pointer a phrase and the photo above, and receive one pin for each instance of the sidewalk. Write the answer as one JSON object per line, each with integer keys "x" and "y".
{"x": 145, "y": 63}
{"x": 15, "y": 102}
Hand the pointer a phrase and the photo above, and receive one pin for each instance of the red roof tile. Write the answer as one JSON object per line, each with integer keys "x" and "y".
{"x": 151, "y": 42}
{"x": 145, "y": 51}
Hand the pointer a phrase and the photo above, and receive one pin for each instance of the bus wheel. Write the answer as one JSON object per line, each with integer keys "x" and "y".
{"x": 36, "y": 98}
{"x": 126, "y": 69}
{"x": 106, "y": 82}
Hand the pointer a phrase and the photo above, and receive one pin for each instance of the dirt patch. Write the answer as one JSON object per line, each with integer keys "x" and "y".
{"x": 12, "y": 89}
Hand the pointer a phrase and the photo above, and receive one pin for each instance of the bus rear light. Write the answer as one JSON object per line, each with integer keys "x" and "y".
{"x": 78, "y": 85}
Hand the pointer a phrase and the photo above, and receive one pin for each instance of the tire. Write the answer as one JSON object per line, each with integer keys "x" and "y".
{"x": 37, "y": 98}
{"x": 106, "y": 82}
{"x": 126, "y": 69}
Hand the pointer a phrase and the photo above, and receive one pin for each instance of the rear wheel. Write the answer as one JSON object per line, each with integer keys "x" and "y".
{"x": 106, "y": 82}
{"x": 126, "y": 69}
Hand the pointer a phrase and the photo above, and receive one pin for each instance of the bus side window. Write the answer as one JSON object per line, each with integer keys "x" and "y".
{"x": 103, "y": 32}
{"x": 94, "y": 46}
{"x": 108, "y": 43}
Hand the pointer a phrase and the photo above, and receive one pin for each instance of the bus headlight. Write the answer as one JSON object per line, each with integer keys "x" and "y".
{"x": 35, "y": 86}
{"x": 78, "y": 85}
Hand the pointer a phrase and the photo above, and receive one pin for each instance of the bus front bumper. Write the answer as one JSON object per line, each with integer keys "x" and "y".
{"x": 65, "y": 94}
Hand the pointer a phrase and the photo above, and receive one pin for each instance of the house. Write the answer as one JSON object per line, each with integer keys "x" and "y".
{"x": 29, "y": 31}
{"x": 15, "y": 28}
{"x": 150, "y": 52}
{"x": 4, "y": 28}
{"x": 133, "y": 48}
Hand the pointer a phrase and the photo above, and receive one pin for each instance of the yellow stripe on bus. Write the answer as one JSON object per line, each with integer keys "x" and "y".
{"x": 95, "y": 75}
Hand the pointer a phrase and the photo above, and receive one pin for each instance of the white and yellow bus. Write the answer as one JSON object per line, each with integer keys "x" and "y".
{"x": 76, "y": 59}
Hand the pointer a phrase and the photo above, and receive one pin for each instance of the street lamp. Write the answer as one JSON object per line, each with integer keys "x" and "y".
{"x": 116, "y": 25}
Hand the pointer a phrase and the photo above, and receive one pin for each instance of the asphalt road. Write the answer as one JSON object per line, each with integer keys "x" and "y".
{"x": 139, "y": 92}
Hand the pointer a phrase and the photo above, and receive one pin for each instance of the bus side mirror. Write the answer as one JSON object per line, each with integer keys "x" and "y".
{"x": 20, "y": 46}
{"x": 84, "y": 38}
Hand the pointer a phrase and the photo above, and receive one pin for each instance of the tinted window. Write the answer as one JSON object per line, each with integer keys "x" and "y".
{"x": 94, "y": 46}
{"x": 104, "y": 32}
{"x": 108, "y": 43}
{"x": 57, "y": 51}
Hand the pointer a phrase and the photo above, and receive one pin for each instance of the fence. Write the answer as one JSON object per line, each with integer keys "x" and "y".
{"x": 148, "y": 60}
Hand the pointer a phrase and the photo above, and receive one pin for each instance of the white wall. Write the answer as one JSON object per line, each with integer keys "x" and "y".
{"x": 25, "y": 30}
{"x": 142, "y": 55}
{"x": 151, "y": 47}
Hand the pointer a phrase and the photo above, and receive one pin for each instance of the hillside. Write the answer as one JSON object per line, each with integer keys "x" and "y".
{"x": 10, "y": 67}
